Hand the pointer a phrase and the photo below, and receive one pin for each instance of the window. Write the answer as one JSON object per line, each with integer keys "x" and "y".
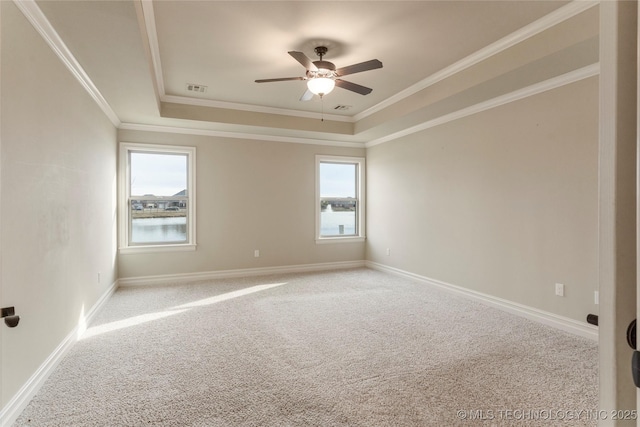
{"x": 157, "y": 203}
{"x": 339, "y": 199}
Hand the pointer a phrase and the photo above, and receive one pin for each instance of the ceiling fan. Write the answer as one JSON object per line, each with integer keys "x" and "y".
{"x": 322, "y": 76}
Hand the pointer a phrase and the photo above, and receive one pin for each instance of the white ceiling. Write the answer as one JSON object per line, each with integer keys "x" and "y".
{"x": 141, "y": 55}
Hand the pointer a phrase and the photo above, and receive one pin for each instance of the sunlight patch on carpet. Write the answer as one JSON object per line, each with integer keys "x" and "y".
{"x": 229, "y": 295}
{"x": 150, "y": 317}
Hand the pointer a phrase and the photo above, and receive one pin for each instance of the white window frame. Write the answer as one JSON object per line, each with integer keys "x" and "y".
{"x": 360, "y": 236}
{"x": 124, "y": 210}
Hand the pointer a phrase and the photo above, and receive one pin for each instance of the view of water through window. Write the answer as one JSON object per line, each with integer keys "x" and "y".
{"x": 147, "y": 230}
{"x": 159, "y": 198}
{"x": 338, "y": 223}
{"x": 338, "y": 204}
{"x": 174, "y": 229}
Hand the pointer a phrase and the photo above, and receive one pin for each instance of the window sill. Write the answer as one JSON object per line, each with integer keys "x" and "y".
{"x": 157, "y": 248}
{"x": 329, "y": 240}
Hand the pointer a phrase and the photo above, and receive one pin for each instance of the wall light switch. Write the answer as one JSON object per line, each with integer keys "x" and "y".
{"x": 559, "y": 289}
{"x": 256, "y": 253}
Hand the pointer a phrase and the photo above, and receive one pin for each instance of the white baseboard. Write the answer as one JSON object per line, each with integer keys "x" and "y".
{"x": 223, "y": 274}
{"x": 560, "y": 322}
{"x": 16, "y": 405}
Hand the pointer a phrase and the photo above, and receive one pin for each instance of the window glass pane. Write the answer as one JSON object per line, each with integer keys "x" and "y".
{"x": 338, "y": 204}
{"x": 158, "y": 174}
{"x": 338, "y": 180}
{"x": 158, "y": 198}
{"x": 159, "y": 230}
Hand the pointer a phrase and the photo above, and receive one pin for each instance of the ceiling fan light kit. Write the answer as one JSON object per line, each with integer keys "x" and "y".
{"x": 321, "y": 85}
{"x": 322, "y": 76}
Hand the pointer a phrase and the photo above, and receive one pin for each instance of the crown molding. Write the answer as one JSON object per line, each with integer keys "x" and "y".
{"x": 553, "y": 83}
{"x": 34, "y": 15}
{"x": 238, "y": 135}
{"x": 152, "y": 36}
{"x": 154, "y": 48}
{"x": 554, "y": 18}
{"x": 550, "y": 84}
{"x": 200, "y": 102}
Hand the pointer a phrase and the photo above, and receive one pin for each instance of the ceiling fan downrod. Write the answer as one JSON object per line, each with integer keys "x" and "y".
{"x": 321, "y": 51}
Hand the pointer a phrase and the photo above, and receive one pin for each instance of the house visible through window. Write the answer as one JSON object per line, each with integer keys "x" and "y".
{"x": 158, "y": 200}
{"x": 340, "y": 208}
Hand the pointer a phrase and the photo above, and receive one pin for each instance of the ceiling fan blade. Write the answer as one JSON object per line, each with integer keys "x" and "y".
{"x": 358, "y": 68}
{"x": 307, "y": 96}
{"x": 362, "y": 90}
{"x": 282, "y": 79}
{"x": 304, "y": 60}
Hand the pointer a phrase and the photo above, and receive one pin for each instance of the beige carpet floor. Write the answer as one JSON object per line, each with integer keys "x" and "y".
{"x": 340, "y": 348}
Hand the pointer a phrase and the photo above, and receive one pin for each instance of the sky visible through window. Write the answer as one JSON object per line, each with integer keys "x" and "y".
{"x": 166, "y": 175}
{"x": 158, "y": 174}
{"x": 337, "y": 180}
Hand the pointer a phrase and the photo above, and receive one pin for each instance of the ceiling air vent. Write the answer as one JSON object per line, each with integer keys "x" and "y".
{"x": 342, "y": 107}
{"x": 196, "y": 88}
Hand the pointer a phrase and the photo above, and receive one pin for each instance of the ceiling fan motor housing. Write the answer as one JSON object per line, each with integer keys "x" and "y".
{"x": 324, "y": 65}
{"x": 325, "y": 69}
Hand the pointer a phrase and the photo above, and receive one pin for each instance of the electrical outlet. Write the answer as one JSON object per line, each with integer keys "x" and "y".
{"x": 559, "y": 289}
{"x": 388, "y": 251}
{"x": 256, "y": 253}
{"x": 98, "y": 277}
{"x": 596, "y": 297}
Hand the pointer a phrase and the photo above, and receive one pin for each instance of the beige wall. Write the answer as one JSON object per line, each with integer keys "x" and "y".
{"x": 58, "y": 179}
{"x": 250, "y": 195}
{"x": 503, "y": 202}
